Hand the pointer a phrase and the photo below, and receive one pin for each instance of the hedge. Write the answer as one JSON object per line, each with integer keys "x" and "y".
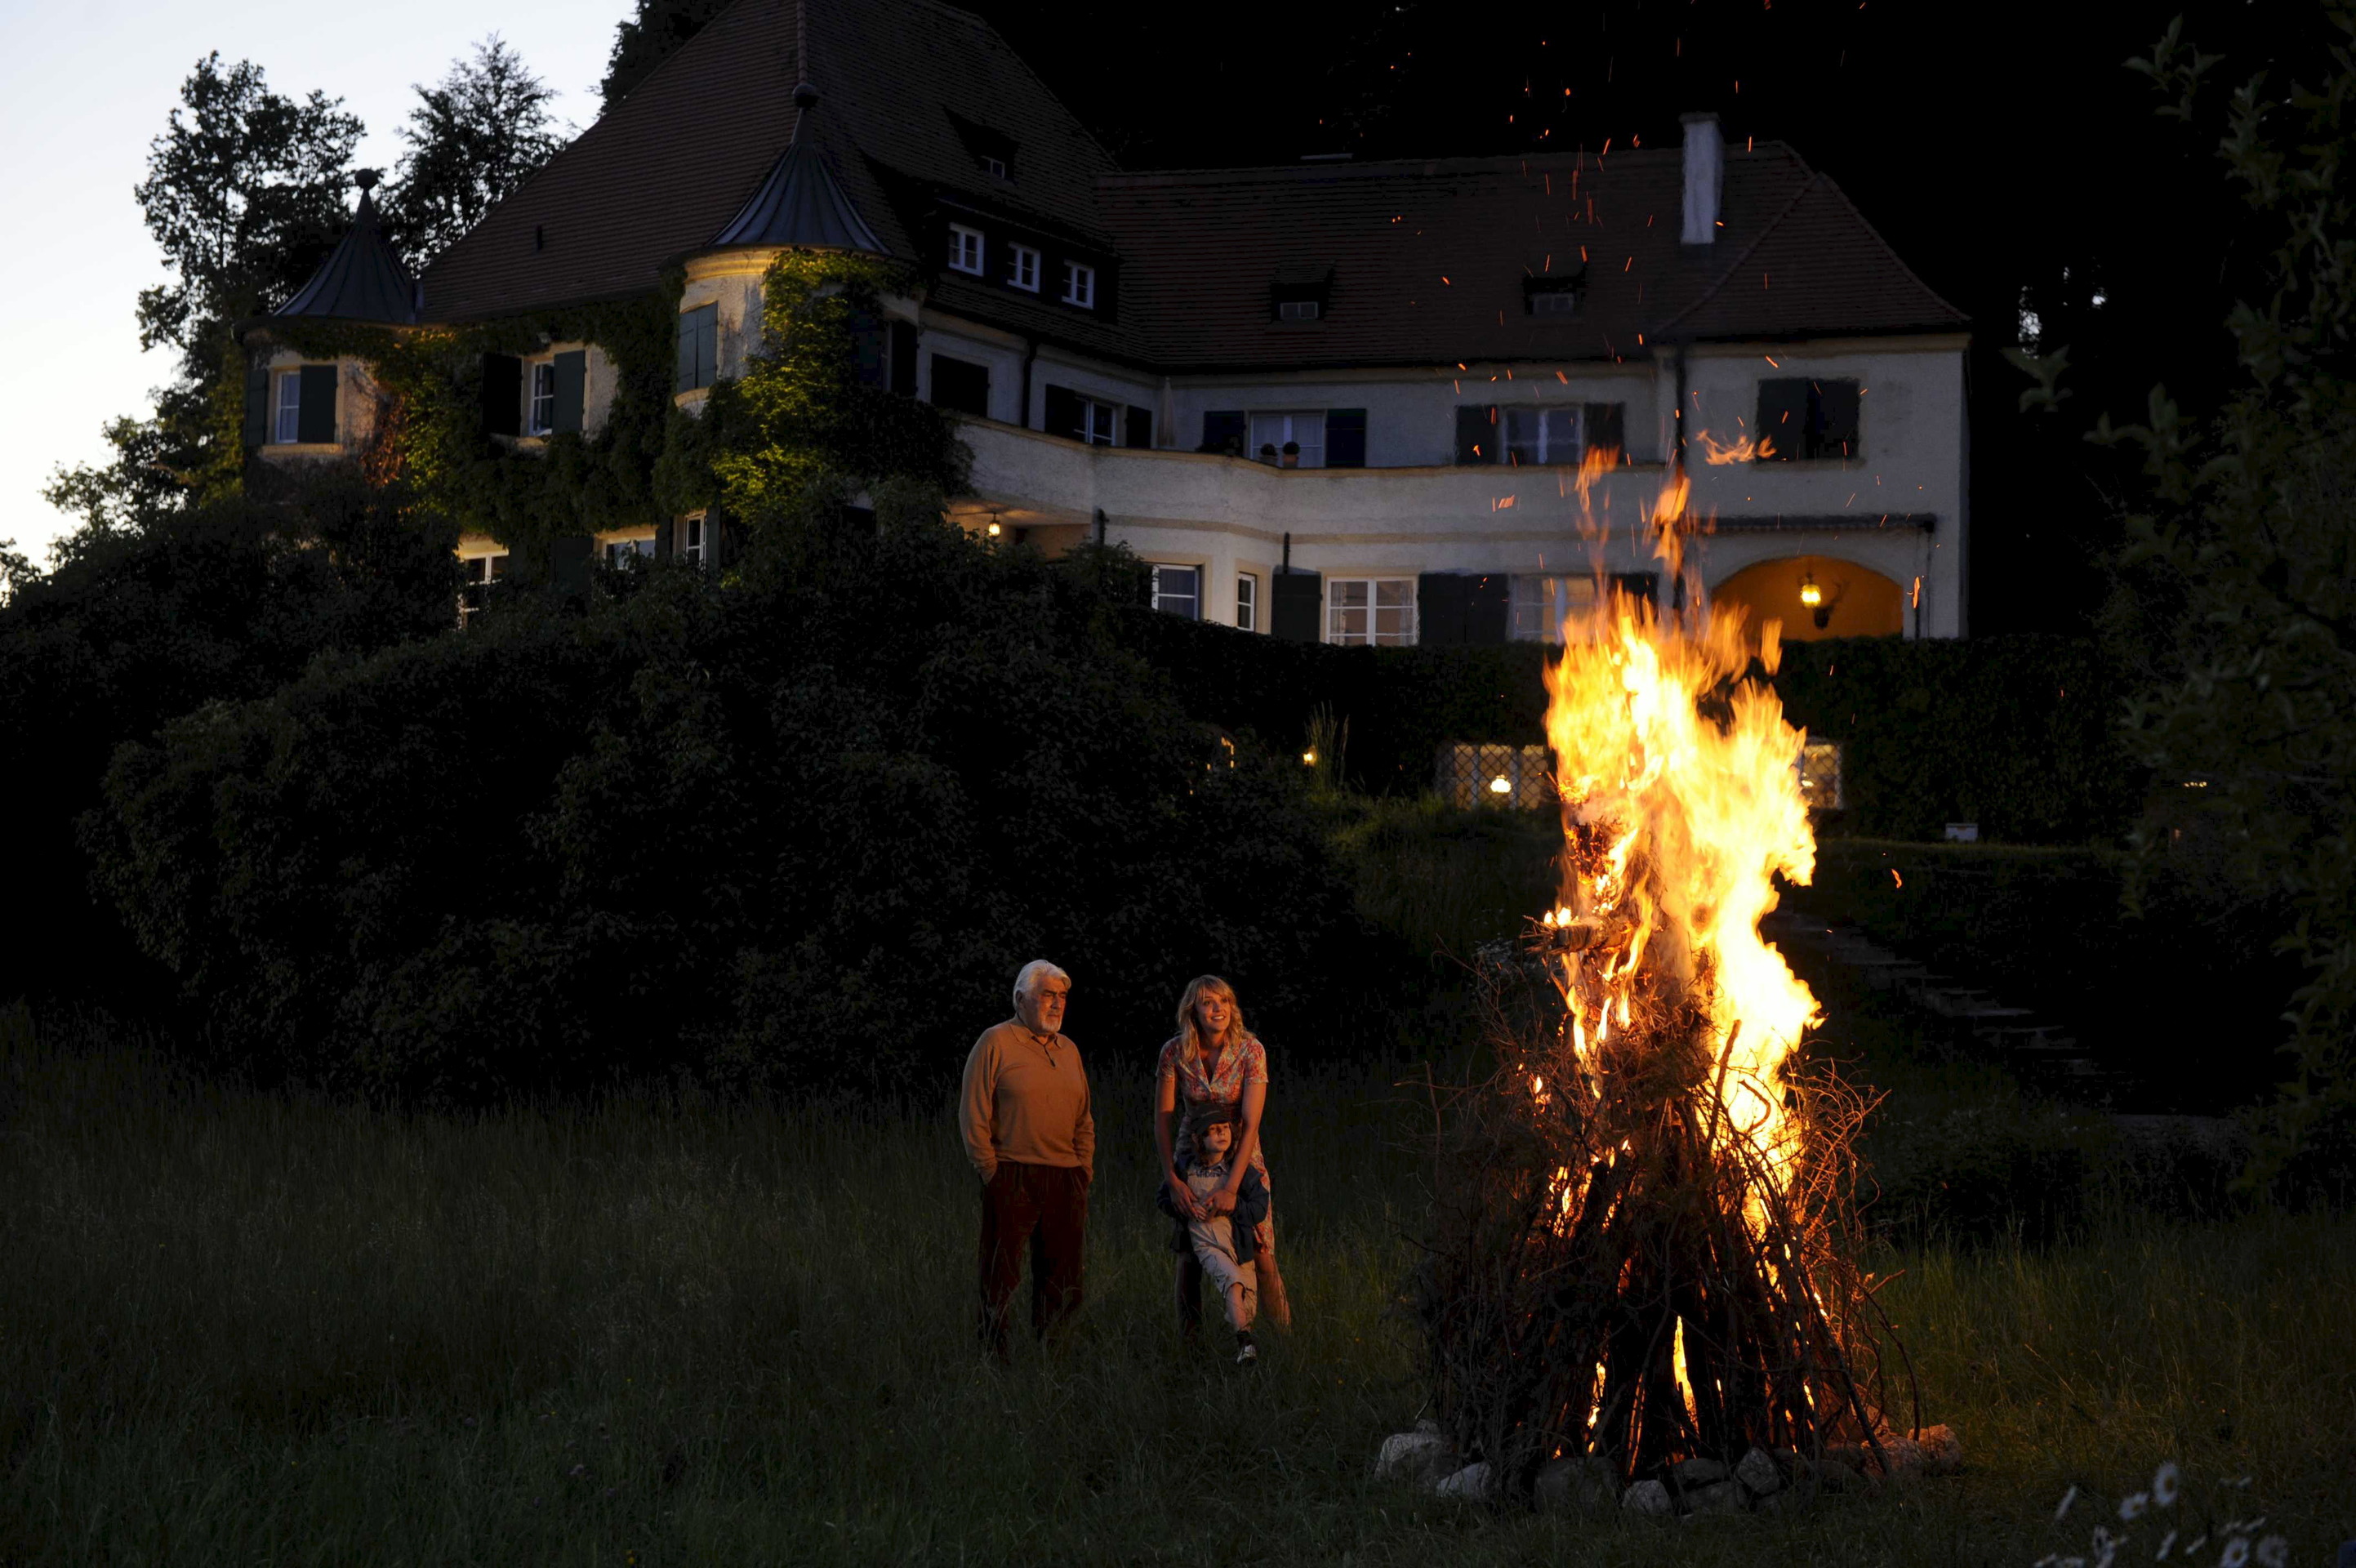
{"x": 2012, "y": 733}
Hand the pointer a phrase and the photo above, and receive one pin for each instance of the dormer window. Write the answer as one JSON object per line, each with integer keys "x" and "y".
{"x": 991, "y": 151}
{"x": 1300, "y": 291}
{"x": 1022, "y": 268}
{"x": 1080, "y": 284}
{"x": 1551, "y": 296}
{"x": 965, "y": 249}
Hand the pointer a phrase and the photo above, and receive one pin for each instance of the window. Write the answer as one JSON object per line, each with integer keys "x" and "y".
{"x": 698, "y": 347}
{"x": 627, "y": 552}
{"x": 1820, "y": 776}
{"x": 1246, "y": 602}
{"x": 1542, "y": 435}
{"x": 960, "y": 386}
{"x": 1080, "y": 284}
{"x": 1376, "y": 610}
{"x": 1289, "y": 440}
{"x": 965, "y": 249}
{"x": 1803, "y": 419}
{"x": 542, "y": 415}
{"x": 1022, "y": 269}
{"x": 1299, "y": 309}
{"x": 1089, "y": 418}
{"x": 691, "y": 537}
{"x": 476, "y": 569}
{"x": 286, "y": 425}
{"x": 1179, "y": 590}
{"x": 1496, "y": 777}
{"x": 1551, "y": 296}
{"x": 1542, "y": 603}
{"x": 993, "y": 166}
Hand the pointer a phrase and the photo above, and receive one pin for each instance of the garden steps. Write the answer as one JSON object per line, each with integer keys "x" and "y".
{"x": 2037, "y": 1049}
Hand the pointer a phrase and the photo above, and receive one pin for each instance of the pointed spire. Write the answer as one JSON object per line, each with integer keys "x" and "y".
{"x": 801, "y": 203}
{"x": 362, "y": 279}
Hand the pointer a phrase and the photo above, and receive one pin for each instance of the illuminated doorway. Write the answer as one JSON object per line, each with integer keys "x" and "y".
{"x": 1817, "y": 596}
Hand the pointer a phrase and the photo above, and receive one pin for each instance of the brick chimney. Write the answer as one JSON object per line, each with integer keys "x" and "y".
{"x": 1705, "y": 174}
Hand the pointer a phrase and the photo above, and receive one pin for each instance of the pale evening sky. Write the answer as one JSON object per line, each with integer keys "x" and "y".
{"x": 85, "y": 86}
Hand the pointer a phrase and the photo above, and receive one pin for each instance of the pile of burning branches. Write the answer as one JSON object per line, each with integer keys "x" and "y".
{"x": 1643, "y": 1242}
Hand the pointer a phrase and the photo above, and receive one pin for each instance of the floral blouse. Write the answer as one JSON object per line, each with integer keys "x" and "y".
{"x": 1242, "y": 1060}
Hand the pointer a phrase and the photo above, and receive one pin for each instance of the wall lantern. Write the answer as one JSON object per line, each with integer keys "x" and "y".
{"x": 995, "y": 529}
{"x": 1820, "y": 607}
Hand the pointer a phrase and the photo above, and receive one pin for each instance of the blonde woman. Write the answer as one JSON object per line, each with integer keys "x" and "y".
{"x": 1214, "y": 1060}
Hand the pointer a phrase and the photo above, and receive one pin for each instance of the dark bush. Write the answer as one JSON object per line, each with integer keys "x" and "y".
{"x": 799, "y": 834}
{"x": 142, "y": 624}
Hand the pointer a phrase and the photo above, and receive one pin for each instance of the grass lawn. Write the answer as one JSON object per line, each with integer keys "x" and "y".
{"x": 237, "y": 1327}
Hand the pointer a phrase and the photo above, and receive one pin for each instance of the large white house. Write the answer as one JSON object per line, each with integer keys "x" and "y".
{"x": 1327, "y": 400}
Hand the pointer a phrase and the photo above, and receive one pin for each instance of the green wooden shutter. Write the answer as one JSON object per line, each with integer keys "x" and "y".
{"x": 1644, "y": 586}
{"x": 1835, "y": 419}
{"x": 871, "y": 349}
{"x": 1784, "y": 418}
{"x": 571, "y": 391}
{"x": 1439, "y": 608}
{"x": 1141, "y": 427}
{"x": 1476, "y": 434}
{"x": 1488, "y": 607}
{"x": 1299, "y": 606}
{"x": 1607, "y": 426}
{"x": 1345, "y": 437}
{"x": 903, "y": 358}
{"x": 568, "y": 565}
{"x": 1063, "y": 414}
{"x": 257, "y": 407}
{"x": 502, "y": 395}
{"x": 1224, "y": 430}
{"x": 315, "y": 424}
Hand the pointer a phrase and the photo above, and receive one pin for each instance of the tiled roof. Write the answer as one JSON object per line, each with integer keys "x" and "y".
{"x": 1429, "y": 259}
{"x": 801, "y": 204}
{"x": 361, "y": 280}
{"x": 662, "y": 174}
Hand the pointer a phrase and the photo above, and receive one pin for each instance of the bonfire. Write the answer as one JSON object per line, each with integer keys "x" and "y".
{"x": 1644, "y": 1253}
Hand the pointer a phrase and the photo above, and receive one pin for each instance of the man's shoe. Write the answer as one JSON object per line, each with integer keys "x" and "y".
{"x": 1248, "y": 1354}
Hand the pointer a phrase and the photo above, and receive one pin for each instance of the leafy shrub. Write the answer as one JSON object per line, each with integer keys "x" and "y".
{"x": 795, "y": 834}
{"x": 145, "y": 621}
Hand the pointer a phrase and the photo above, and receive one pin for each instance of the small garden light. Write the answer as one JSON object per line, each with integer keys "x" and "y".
{"x": 1308, "y": 759}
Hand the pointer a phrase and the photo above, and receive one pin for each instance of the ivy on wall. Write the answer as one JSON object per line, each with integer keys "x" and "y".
{"x": 801, "y": 415}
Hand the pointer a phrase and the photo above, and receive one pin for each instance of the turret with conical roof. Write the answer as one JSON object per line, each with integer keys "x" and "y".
{"x": 362, "y": 279}
{"x": 801, "y": 204}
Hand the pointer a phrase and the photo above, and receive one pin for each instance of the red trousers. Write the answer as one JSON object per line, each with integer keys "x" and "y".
{"x": 1046, "y": 1206}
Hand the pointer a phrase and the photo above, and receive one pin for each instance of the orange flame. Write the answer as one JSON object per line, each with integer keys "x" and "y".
{"x": 1676, "y": 823}
{"x": 1718, "y": 454}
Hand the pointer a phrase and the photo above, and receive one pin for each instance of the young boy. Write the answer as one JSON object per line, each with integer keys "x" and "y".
{"x": 1222, "y": 1243}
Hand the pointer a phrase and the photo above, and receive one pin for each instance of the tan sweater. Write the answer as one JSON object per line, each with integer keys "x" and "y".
{"x": 1025, "y": 1098}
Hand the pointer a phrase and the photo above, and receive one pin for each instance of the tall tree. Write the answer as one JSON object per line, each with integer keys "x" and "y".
{"x": 2237, "y": 597}
{"x": 644, "y": 41}
{"x": 244, "y": 193}
{"x": 473, "y": 136}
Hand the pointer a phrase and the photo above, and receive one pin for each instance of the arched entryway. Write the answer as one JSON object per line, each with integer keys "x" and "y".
{"x": 1849, "y": 600}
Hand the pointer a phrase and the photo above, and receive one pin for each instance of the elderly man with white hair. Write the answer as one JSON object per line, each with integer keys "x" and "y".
{"x": 1032, "y": 1141}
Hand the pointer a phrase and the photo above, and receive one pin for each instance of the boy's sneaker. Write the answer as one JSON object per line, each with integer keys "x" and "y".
{"x": 1249, "y": 1352}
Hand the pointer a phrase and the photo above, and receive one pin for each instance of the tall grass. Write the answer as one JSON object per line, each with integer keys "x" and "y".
{"x": 242, "y": 1327}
